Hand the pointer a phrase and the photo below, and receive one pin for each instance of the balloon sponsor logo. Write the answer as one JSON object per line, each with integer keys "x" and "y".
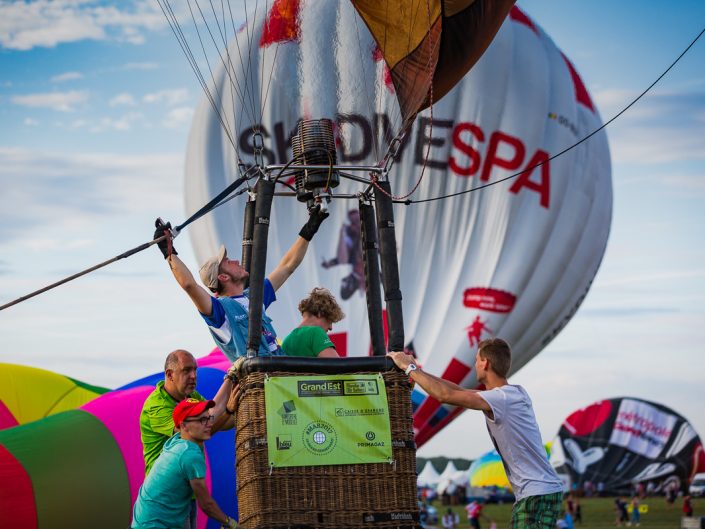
{"x": 642, "y": 428}
{"x": 503, "y": 151}
{"x": 565, "y": 122}
{"x": 489, "y": 299}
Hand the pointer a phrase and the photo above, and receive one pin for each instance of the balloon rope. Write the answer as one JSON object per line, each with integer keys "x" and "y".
{"x": 84, "y": 272}
{"x": 183, "y": 43}
{"x": 216, "y": 202}
{"x": 529, "y": 169}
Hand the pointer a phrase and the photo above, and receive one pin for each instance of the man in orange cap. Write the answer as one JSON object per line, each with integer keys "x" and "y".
{"x": 179, "y": 472}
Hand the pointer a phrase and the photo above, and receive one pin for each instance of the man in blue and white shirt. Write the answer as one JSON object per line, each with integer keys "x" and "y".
{"x": 225, "y": 307}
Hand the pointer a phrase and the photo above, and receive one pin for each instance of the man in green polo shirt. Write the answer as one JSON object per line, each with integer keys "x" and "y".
{"x": 156, "y": 422}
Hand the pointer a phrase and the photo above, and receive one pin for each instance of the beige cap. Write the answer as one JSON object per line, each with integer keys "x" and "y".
{"x": 209, "y": 270}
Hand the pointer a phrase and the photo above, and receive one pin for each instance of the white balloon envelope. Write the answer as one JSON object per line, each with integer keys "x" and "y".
{"x": 514, "y": 260}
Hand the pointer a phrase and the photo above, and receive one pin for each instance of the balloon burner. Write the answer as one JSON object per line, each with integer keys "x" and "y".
{"x": 314, "y": 145}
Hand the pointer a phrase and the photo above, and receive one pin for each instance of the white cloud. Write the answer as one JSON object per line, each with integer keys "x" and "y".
{"x": 65, "y": 191}
{"x": 140, "y": 66}
{"x": 59, "y": 101}
{"x": 30, "y": 122}
{"x": 168, "y": 97}
{"x": 124, "y": 99}
{"x": 123, "y": 123}
{"x": 68, "y": 76}
{"x": 178, "y": 117}
{"x": 47, "y": 23}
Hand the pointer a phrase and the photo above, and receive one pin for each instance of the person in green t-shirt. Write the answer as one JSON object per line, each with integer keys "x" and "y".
{"x": 156, "y": 422}
{"x": 320, "y": 311}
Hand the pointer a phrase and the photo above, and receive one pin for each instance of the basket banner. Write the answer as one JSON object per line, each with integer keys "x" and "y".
{"x": 327, "y": 420}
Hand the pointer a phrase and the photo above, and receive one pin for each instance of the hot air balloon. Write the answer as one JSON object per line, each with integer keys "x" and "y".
{"x": 625, "y": 441}
{"x": 29, "y": 393}
{"x": 513, "y": 260}
{"x": 488, "y": 471}
{"x": 82, "y": 468}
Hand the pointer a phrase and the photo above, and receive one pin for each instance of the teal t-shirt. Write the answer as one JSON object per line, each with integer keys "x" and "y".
{"x": 164, "y": 499}
{"x": 156, "y": 423}
{"x": 306, "y": 341}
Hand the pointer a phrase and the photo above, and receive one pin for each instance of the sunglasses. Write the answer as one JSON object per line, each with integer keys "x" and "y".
{"x": 202, "y": 420}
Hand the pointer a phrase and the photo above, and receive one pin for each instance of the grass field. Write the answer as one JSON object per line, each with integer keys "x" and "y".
{"x": 598, "y": 513}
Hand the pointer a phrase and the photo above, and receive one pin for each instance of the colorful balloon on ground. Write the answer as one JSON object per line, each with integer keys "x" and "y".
{"x": 514, "y": 260}
{"x": 82, "y": 468}
{"x": 29, "y": 393}
{"x": 488, "y": 471}
{"x": 624, "y": 441}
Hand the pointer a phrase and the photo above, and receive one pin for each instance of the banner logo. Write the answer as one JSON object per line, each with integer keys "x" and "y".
{"x": 288, "y": 413}
{"x": 283, "y": 442}
{"x": 337, "y": 388}
{"x": 319, "y": 437}
{"x": 362, "y": 412}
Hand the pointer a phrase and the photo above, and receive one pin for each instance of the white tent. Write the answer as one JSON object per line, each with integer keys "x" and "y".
{"x": 450, "y": 479}
{"x": 448, "y": 472}
{"x": 428, "y": 476}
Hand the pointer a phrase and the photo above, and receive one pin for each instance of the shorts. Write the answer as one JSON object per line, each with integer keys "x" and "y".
{"x": 474, "y": 523}
{"x": 537, "y": 512}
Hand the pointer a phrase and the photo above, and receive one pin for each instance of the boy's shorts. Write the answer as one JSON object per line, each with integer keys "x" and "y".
{"x": 537, "y": 512}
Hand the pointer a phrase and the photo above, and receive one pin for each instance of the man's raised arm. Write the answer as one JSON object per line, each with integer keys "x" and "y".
{"x": 294, "y": 255}
{"x": 199, "y": 295}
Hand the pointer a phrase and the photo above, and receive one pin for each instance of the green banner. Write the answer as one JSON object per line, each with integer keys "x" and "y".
{"x": 327, "y": 420}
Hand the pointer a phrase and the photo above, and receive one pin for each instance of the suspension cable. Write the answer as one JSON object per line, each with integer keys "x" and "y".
{"x": 543, "y": 162}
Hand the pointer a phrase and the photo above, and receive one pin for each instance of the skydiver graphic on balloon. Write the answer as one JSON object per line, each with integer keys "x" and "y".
{"x": 475, "y": 331}
{"x": 349, "y": 251}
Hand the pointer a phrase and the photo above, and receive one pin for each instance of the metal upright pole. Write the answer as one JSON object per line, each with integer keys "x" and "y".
{"x": 372, "y": 280}
{"x": 247, "y": 234}
{"x": 390, "y": 266}
{"x": 263, "y": 206}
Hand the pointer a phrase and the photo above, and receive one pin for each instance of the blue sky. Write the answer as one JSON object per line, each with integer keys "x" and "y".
{"x": 95, "y": 106}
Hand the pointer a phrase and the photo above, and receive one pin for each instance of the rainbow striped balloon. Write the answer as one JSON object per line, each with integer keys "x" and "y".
{"x": 29, "y": 393}
{"x": 488, "y": 471}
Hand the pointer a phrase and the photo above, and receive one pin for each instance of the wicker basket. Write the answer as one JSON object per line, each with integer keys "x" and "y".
{"x": 356, "y": 496}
